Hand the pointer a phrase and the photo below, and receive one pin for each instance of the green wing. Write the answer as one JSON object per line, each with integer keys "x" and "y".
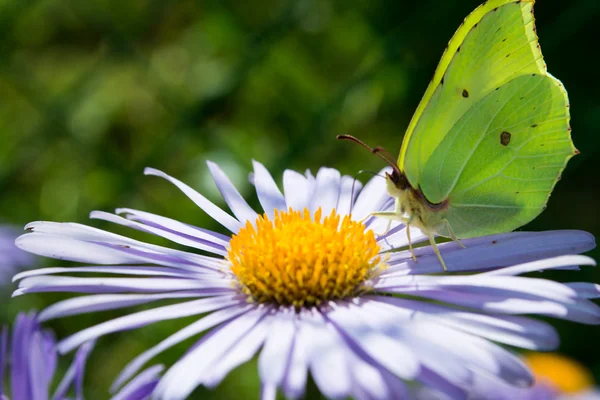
{"x": 496, "y": 43}
{"x": 500, "y": 161}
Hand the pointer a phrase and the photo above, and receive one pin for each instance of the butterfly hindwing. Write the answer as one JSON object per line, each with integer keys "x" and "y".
{"x": 500, "y": 161}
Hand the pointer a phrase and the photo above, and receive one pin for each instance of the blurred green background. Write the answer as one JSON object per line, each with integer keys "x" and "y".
{"x": 92, "y": 92}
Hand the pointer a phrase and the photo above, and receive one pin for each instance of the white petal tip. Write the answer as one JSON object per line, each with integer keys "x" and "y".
{"x": 152, "y": 171}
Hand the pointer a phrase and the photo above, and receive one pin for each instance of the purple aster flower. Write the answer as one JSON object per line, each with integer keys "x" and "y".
{"x": 312, "y": 287}
{"x": 12, "y": 259}
{"x": 32, "y": 358}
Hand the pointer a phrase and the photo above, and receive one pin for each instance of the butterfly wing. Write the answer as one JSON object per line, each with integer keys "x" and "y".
{"x": 500, "y": 161}
{"x": 496, "y": 43}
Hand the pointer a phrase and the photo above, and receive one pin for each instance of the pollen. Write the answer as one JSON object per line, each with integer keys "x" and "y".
{"x": 302, "y": 260}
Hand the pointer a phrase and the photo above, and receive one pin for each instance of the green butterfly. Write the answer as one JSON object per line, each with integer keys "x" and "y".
{"x": 491, "y": 135}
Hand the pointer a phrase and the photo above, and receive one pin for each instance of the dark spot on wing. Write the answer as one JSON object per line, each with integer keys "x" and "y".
{"x": 516, "y": 192}
{"x": 494, "y": 241}
{"x": 504, "y": 40}
{"x": 505, "y": 138}
{"x": 533, "y": 74}
{"x": 534, "y": 125}
{"x": 508, "y": 55}
{"x": 465, "y": 94}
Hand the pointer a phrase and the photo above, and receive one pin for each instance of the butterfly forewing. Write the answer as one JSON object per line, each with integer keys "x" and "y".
{"x": 495, "y": 44}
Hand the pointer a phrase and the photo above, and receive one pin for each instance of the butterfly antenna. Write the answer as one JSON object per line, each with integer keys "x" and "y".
{"x": 362, "y": 171}
{"x": 385, "y": 153}
{"x": 378, "y": 151}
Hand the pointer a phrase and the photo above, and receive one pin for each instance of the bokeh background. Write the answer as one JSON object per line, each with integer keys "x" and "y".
{"x": 91, "y": 92}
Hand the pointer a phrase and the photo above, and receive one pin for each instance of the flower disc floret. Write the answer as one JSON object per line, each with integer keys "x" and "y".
{"x": 303, "y": 260}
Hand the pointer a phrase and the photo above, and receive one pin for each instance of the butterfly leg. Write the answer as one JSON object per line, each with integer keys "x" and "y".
{"x": 410, "y": 247}
{"x": 437, "y": 251}
{"x": 395, "y": 215}
{"x": 452, "y": 235}
{"x": 390, "y": 216}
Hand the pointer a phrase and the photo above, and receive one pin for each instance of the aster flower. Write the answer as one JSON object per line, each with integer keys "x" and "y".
{"x": 312, "y": 287}
{"x": 33, "y": 358}
{"x": 12, "y": 259}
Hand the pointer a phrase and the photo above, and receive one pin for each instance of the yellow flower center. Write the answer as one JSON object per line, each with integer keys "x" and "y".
{"x": 303, "y": 260}
{"x": 565, "y": 374}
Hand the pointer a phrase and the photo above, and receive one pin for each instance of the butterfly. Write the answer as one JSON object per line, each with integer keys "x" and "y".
{"x": 490, "y": 137}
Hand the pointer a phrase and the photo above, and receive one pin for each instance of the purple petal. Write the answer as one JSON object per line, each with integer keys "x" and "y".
{"x": 326, "y": 357}
{"x": 298, "y": 190}
{"x": 502, "y": 285}
{"x": 372, "y": 197}
{"x": 491, "y": 252}
{"x": 275, "y": 355}
{"x": 238, "y": 206}
{"x": 175, "y": 237}
{"x": 396, "y": 238}
{"x": 183, "y": 377}
{"x": 36, "y": 364}
{"x": 103, "y": 302}
{"x": 74, "y": 374}
{"x": 119, "y": 270}
{"x": 327, "y": 191}
{"x": 239, "y": 353}
{"x": 269, "y": 195}
{"x": 64, "y": 248}
{"x": 12, "y": 258}
{"x": 174, "y": 226}
{"x": 41, "y": 284}
{"x": 585, "y": 290}
{"x": 540, "y": 265}
{"x": 141, "y": 386}
{"x": 513, "y": 330}
{"x": 209, "y": 207}
{"x": 146, "y": 317}
{"x": 189, "y": 331}
{"x": 368, "y": 380}
{"x": 349, "y": 190}
{"x": 20, "y": 382}
{"x": 429, "y": 339}
{"x": 294, "y": 383}
{"x": 3, "y": 358}
{"x": 80, "y": 243}
{"x": 391, "y": 354}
